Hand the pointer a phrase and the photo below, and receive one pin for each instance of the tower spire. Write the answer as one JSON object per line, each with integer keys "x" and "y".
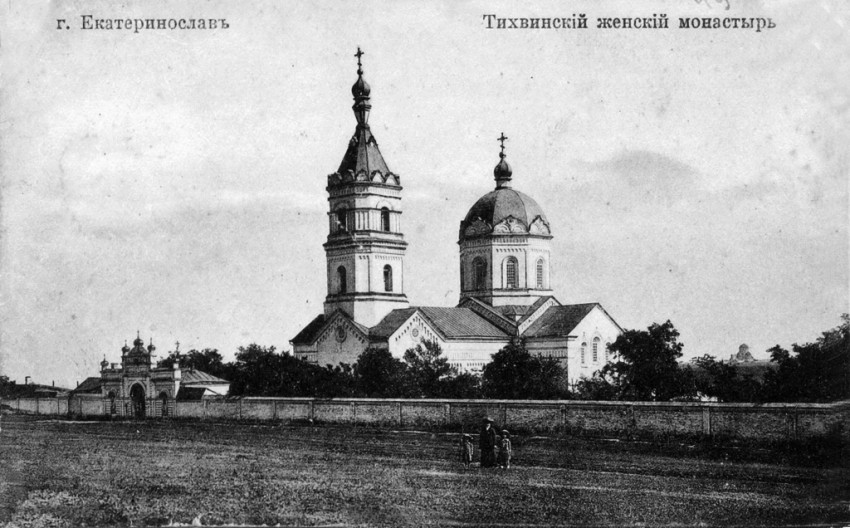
{"x": 503, "y": 170}
{"x": 361, "y": 91}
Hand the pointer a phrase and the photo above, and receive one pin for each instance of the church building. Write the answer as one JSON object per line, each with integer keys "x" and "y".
{"x": 505, "y": 261}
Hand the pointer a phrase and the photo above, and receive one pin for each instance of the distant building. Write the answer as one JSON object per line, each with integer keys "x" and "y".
{"x": 743, "y": 355}
{"x": 505, "y": 262}
{"x": 137, "y": 388}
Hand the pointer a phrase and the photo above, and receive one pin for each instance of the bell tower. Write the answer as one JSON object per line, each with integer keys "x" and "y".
{"x": 365, "y": 246}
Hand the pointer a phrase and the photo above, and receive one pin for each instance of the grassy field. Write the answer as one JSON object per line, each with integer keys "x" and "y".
{"x": 64, "y": 473}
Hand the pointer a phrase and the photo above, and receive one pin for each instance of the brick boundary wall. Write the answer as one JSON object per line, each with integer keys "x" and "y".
{"x": 781, "y": 422}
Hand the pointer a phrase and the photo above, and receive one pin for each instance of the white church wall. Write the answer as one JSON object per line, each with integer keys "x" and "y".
{"x": 411, "y": 333}
{"x": 341, "y": 342}
{"x": 596, "y": 325}
{"x": 471, "y": 356}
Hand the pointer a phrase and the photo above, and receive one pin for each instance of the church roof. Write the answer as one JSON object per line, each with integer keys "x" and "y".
{"x": 450, "y": 322}
{"x": 390, "y": 323}
{"x": 497, "y": 205}
{"x": 363, "y": 155}
{"x": 308, "y": 334}
{"x": 189, "y": 376}
{"x": 460, "y": 322}
{"x": 559, "y": 321}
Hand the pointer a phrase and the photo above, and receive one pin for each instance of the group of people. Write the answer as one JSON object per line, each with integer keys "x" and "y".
{"x": 495, "y": 450}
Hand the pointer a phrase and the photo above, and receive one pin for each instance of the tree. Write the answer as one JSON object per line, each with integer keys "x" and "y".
{"x": 257, "y": 371}
{"x": 463, "y": 385}
{"x": 378, "y": 374}
{"x": 646, "y": 366}
{"x": 516, "y": 374}
{"x": 208, "y": 360}
{"x": 715, "y": 379}
{"x": 428, "y": 368}
{"x": 812, "y": 372}
{"x": 595, "y": 388}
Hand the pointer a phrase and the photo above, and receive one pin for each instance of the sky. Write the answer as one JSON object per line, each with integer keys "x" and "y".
{"x": 173, "y": 182}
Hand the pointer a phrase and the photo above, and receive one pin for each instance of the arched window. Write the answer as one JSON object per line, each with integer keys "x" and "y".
{"x": 510, "y": 273}
{"x": 388, "y": 278}
{"x": 479, "y": 268}
{"x": 595, "y": 349}
{"x": 111, "y": 397}
{"x": 342, "y": 220}
{"x": 540, "y": 274}
{"x": 607, "y": 352}
{"x": 341, "y": 279}
{"x": 583, "y": 352}
{"x": 385, "y": 219}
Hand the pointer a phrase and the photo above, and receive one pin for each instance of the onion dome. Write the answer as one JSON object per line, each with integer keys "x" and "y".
{"x": 138, "y": 341}
{"x": 504, "y": 211}
{"x": 104, "y": 363}
{"x": 151, "y": 348}
{"x": 125, "y": 348}
{"x": 360, "y": 88}
{"x": 503, "y": 170}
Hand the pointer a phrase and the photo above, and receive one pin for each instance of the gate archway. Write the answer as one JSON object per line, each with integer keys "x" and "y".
{"x": 163, "y": 400}
{"x": 137, "y": 396}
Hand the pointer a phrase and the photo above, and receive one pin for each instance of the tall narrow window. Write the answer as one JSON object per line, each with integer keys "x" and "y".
{"x": 385, "y": 219}
{"x": 540, "y": 274}
{"x": 479, "y": 267}
{"x": 510, "y": 273}
{"x": 595, "y": 349}
{"x": 388, "y": 278}
{"x": 342, "y": 220}
{"x": 583, "y": 352}
{"x": 607, "y": 352}
{"x": 341, "y": 279}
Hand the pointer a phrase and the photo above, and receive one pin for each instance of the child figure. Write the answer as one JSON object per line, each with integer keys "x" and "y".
{"x": 505, "y": 450}
{"x": 466, "y": 450}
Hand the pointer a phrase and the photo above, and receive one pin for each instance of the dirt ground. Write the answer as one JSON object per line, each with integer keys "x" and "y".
{"x": 67, "y": 473}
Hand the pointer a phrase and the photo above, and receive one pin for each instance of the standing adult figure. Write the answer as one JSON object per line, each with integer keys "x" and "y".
{"x": 487, "y": 443}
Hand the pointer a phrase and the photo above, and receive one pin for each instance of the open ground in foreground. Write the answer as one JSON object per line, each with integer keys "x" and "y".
{"x": 66, "y": 473}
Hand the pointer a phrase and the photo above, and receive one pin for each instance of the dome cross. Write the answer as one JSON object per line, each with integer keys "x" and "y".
{"x": 501, "y": 139}
{"x": 359, "y": 65}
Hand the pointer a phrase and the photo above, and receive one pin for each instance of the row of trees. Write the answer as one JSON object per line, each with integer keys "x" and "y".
{"x": 424, "y": 372}
{"x": 646, "y": 367}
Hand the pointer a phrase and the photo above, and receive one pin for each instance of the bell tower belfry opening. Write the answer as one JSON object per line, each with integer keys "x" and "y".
{"x": 365, "y": 246}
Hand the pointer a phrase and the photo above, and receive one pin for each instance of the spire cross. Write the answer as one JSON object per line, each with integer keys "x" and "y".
{"x": 501, "y": 139}
{"x": 359, "y": 66}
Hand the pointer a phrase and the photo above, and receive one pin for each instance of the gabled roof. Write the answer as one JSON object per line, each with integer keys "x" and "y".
{"x": 309, "y": 333}
{"x": 449, "y": 322}
{"x": 536, "y": 306}
{"x": 559, "y": 321}
{"x": 456, "y": 323}
{"x": 314, "y": 329}
{"x": 89, "y": 385}
{"x": 198, "y": 376}
{"x": 390, "y": 323}
{"x": 490, "y": 313}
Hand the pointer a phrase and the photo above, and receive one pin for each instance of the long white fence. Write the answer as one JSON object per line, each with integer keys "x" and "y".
{"x": 781, "y": 422}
